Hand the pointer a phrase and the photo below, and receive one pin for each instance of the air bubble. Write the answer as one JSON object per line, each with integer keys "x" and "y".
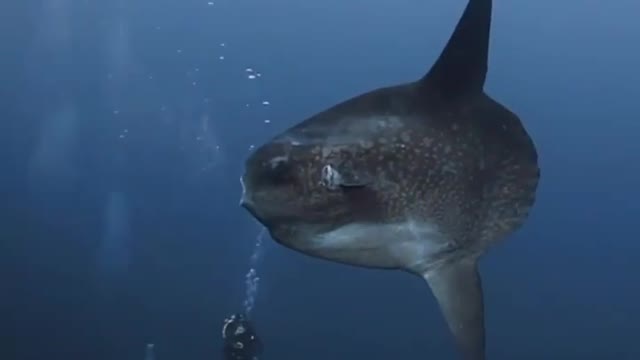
{"x": 252, "y": 279}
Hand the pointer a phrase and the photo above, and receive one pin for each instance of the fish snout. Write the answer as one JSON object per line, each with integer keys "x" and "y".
{"x": 245, "y": 199}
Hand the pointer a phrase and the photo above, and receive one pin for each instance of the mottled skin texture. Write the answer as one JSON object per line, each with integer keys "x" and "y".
{"x": 423, "y": 177}
{"x": 472, "y": 170}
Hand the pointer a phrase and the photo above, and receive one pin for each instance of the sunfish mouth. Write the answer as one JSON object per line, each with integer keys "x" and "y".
{"x": 247, "y": 202}
{"x": 245, "y": 199}
{"x": 243, "y": 196}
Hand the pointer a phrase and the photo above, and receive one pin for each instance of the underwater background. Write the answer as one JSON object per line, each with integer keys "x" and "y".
{"x": 124, "y": 126}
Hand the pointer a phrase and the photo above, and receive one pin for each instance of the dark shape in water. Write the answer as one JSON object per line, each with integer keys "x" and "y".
{"x": 240, "y": 339}
{"x": 423, "y": 177}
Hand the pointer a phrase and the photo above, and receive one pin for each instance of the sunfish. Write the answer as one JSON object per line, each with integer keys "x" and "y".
{"x": 423, "y": 177}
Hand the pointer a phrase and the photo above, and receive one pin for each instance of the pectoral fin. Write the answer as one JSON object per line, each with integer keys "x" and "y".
{"x": 458, "y": 289}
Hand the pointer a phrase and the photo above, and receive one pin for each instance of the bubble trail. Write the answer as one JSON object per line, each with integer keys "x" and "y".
{"x": 115, "y": 249}
{"x": 251, "y": 278}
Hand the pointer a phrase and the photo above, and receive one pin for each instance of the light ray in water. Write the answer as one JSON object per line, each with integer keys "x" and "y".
{"x": 149, "y": 353}
{"x": 120, "y": 64}
{"x": 52, "y": 167}
{"x": 114, "y": 253}
{"x": 53, "y": 29}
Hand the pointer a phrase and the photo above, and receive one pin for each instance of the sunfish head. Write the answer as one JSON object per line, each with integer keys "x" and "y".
{"x": 303, "y": 182}
{"x": 274, "y": 183}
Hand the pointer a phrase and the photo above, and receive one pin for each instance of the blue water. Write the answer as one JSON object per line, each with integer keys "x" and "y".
{"x": 123, "y": 134}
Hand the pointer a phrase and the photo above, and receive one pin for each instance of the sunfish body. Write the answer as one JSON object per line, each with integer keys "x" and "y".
{"x": 422, "y": 177}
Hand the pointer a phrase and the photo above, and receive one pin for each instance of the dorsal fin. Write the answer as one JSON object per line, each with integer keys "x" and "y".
{"x": 461, "y": 68}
